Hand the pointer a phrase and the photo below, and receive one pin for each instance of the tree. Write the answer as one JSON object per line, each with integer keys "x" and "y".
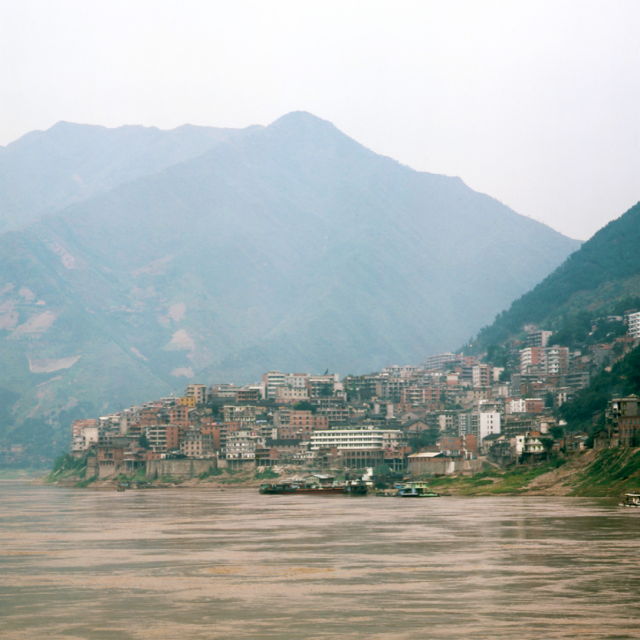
{"x": 557, "y": 432}
{"x": 548, "y": 400}
{"x": 428, "y": 437}
{"x": 143, "y": 441}
{"x": 326, "y": 390}
{"x": 547, "y": 443}
{"x": 304, "y": 405}
{"x": 382, "y": 471}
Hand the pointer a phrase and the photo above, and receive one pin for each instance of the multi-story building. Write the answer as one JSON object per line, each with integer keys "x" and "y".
{"x": 84, "y": 435}
{"x": 544, "y": 361}
{"x": 289, "y": 395}
{"x": 323, "y": 386}
{"x": 623, "y": 415}
{"x": 634, "y": 325}
{"x": 538, "y": 338}
{"x": 248, "y": 396}
{"x": 442, "y": 361}
{"x": 244, "y": 414}
{"x": 481, "y": 375}
{"x": 224, "y": 391}
{"x": 294, "y": 433}
{"x": 531, "y": 359}
{"x": 241, "y": 446}
{"x": 417, "y": 395}
{"x": 336, "y": 414}
{"x": 483, "y": 424}
{"x": 163, "y": 437}
{"x": 196, "y": 444}
{"x": 180, "y": 415}
{"x": 198, "y": 392}
{"x": 557, "y": 360}
{"x": 272, "y": 380}
{"x": 357, "y": 438}
{"x": 305, "y": 418}
{"x": 521, "y": 424}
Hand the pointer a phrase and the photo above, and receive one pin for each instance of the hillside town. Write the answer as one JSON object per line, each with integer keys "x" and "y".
{"x": 440, "y": 418}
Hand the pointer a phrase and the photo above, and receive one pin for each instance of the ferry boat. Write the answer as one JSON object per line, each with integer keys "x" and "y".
{"x": 292, "y": 487}
{"x": 416, "y": 490}
{"x": 630, "y": 500}
{"x": 356, "y": 487}
{"x": 281, "y": 487}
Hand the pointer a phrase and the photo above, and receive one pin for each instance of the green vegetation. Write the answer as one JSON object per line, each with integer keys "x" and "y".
{"x": 495, "y": 481}
{"x": 600, "y": 278}
{"x": 267, "y": 474}
{"x": 304, "y": 405}
{"x": 607, "y": 473}
{"x": 66, "y": 466}
{"x": 623, "y": 379}
{"x": 85, "y": 483}
{"x": 143, "y": 441}
{"x": 210, "y": 472}
{"x": 170, "y": 480}
{"x": 613, "y": 472}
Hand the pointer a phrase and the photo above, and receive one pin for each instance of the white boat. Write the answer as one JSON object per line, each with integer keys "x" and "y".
{"x": 630, "y": 500}
{"x": 416, "y": 490}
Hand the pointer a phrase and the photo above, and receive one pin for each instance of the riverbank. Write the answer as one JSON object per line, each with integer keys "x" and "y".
{"x": 589, "y": 473}
{"x": 70, "y": 472}
{"x": 607, "y": 473}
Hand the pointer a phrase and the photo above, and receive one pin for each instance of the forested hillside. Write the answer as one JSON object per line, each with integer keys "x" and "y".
{"x": 601, "y": 277}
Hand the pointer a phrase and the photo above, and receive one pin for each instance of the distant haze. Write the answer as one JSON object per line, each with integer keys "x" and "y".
{"x": 534, "y": 103}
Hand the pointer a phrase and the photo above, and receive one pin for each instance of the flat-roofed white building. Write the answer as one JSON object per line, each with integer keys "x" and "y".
{"x": 634, "y": 325}
{"x": 359, "y": 438}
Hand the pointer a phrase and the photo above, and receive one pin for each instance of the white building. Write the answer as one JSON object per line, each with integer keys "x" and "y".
{"x": 634, "y": 325}
{"x": 518, "y": 406}
{"x": 242, "y": 445}
{"x": 488, "y": 423}
{"x": 360, "y": 438}
{"x": 442, "y": 361}
{"x": 85, "y": 438}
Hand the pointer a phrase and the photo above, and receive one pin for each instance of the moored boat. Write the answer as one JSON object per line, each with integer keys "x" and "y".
{"x": 280, "y": 487}
{"x": 293, "y": 487}
{"x": 356, "y": 487}
{"x": 630, "y": 500}
{"x": 416, "y": 490}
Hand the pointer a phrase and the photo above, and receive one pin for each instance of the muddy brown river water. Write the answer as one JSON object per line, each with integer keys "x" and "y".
{"x": 199, "y": 564}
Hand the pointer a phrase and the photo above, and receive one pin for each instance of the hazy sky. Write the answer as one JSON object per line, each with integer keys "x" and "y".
{"x": 535, "y": 103}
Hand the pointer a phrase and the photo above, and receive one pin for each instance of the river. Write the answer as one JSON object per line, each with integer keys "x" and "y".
{"x": 203, "y": 563}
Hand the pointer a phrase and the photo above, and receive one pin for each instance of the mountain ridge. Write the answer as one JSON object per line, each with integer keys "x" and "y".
{"x": 290, "y": 246}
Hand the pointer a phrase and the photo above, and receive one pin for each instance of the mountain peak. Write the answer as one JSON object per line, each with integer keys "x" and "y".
{"x": 303, "y": 121}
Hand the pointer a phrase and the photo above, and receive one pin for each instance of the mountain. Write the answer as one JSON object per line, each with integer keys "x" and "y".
{"x": 45, "y": 171}
{"x": 288, "y": 247}
{"x": 603, "y": 276}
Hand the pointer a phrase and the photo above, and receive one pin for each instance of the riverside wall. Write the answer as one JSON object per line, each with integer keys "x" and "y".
{"x": 442, "y": 466}
{"x": 178, "y": 468}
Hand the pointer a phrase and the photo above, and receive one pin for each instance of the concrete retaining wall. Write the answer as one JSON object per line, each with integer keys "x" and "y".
{"x": 443, "y": 466}
{"x": 178, "y": 468}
